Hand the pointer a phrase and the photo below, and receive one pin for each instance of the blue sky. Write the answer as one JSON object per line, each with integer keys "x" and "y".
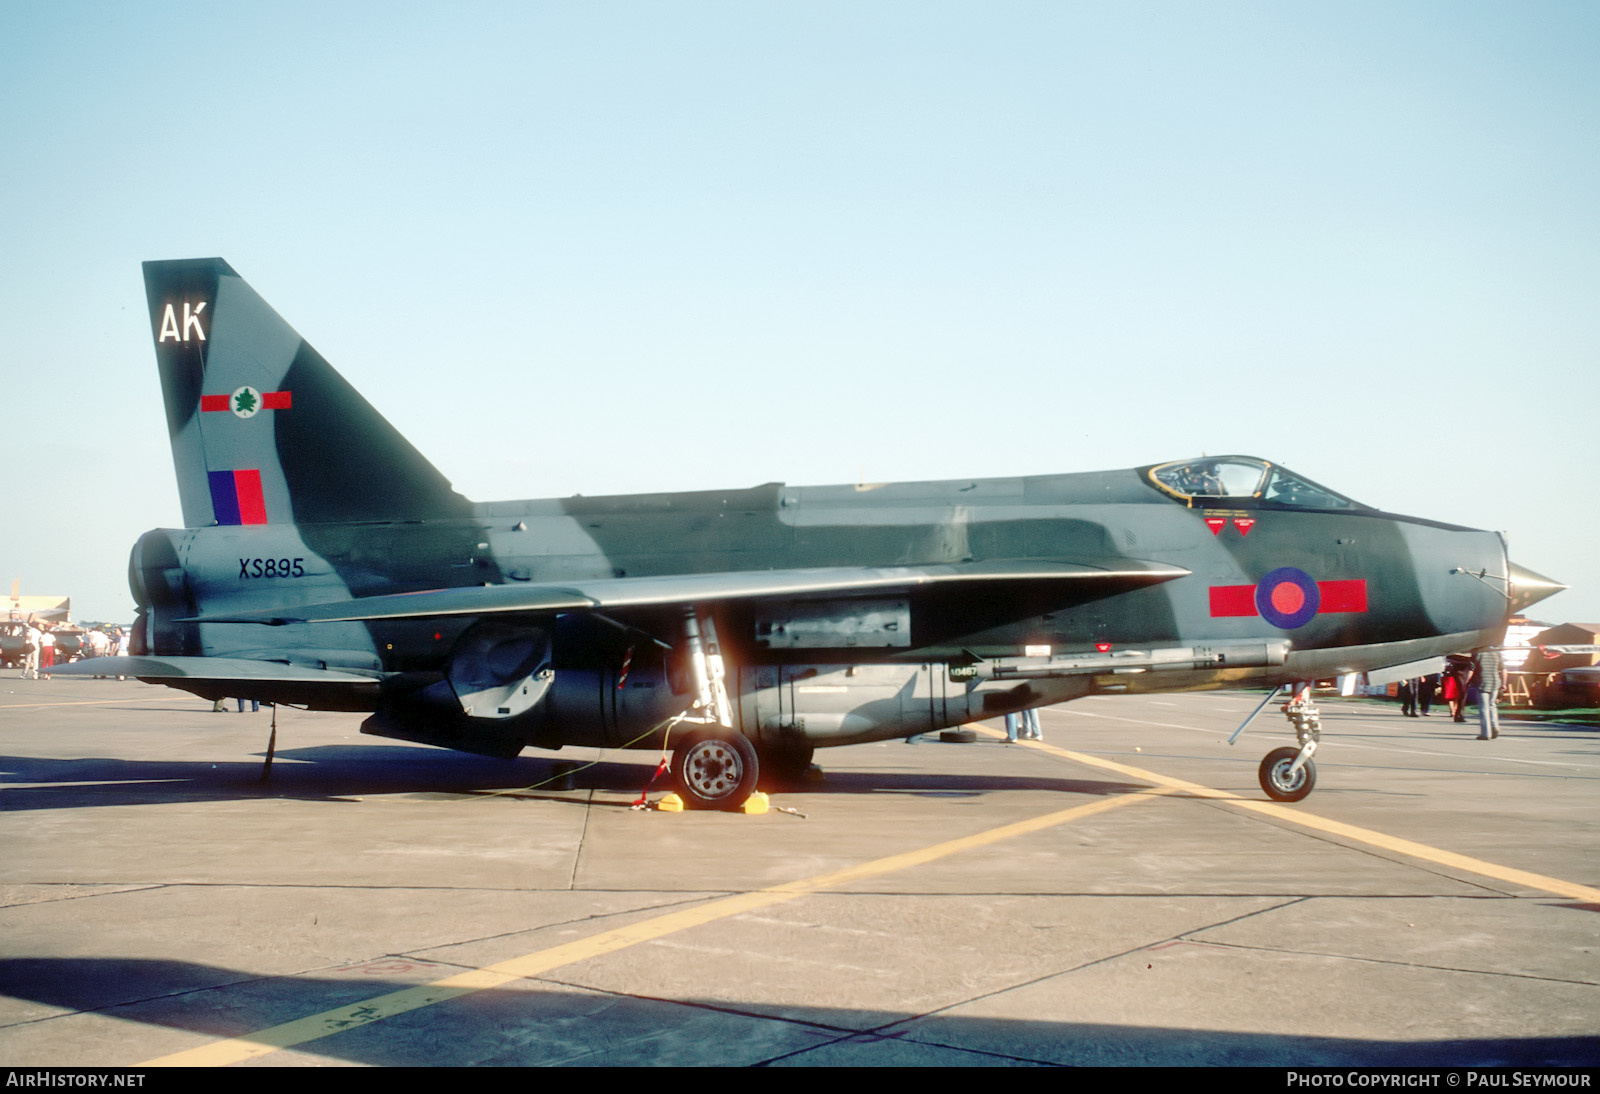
{"x": 615, "y": 247}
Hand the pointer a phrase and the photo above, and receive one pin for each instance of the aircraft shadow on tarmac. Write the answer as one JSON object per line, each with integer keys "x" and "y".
{"x": 538, "y": 1024}
{"x": 335, "y": 772}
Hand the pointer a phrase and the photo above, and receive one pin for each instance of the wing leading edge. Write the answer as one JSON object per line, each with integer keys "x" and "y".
{"x": 215, "y": 678}
{"x": 213, "y": 669}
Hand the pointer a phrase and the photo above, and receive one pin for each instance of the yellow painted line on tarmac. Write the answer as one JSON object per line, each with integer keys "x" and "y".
{"x": 1296, "y": 815}
{"x": 327, "y": 1023}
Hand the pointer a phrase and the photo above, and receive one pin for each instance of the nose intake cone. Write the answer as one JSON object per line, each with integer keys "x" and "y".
{"x": 1527, "y": 588}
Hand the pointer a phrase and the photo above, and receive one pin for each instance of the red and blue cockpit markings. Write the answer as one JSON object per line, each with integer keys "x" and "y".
{"x": 1289, "y": 598}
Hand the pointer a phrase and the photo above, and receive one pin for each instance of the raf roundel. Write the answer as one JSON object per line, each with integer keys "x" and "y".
{"x": 1287, "y": 598}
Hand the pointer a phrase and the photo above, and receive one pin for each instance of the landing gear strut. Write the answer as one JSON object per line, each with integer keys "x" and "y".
{"x": 1287, "y": 774}
{"x": 716, "y": 765}
{"x": 272, "y": 744}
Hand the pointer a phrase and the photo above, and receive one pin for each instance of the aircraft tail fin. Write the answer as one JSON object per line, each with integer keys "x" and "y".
{"x": 263, "y": 430}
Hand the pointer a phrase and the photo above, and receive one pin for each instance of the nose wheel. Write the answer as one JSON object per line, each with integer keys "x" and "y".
{"x": 1285, "y": 776}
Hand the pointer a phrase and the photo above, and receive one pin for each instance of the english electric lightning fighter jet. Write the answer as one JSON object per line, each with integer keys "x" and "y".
{"x": 325, "y": 563}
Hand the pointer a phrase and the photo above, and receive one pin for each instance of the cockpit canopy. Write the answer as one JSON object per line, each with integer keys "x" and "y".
{"x": 1243, "y": 482}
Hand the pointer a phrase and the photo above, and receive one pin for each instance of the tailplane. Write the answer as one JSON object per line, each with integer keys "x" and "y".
{"x": 263, "y": 430}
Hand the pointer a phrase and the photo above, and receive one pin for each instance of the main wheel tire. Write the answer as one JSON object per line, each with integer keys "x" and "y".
{"x": 716, "y": 770}
{"x": 1279, "y": 784}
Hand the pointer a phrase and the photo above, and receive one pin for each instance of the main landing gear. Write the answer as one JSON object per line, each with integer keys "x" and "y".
{"x": 716, "y": 765}
{"x": 1287, "y": 774}
{"x": 716, "y": 768}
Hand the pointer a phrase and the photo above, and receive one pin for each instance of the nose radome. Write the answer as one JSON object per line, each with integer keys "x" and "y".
{"x": 1528, "y": 588}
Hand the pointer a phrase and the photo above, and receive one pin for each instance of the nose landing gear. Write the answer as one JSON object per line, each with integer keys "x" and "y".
{"x": 1287, "y": 774}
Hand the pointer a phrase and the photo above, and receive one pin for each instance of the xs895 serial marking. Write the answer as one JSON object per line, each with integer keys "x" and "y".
{"x": 271, "y": 567}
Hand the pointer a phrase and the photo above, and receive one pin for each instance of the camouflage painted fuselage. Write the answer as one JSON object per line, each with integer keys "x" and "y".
{"x": 326, "y": 562}
{"x": 835, "y": 669}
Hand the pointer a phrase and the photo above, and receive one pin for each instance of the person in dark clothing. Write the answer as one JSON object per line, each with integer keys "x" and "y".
{"x": 1426, "y": 689}
{"x": 1408, "y": 697}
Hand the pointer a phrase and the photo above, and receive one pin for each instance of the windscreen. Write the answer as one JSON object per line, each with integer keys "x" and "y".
{"x": 1243, "y": 481}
